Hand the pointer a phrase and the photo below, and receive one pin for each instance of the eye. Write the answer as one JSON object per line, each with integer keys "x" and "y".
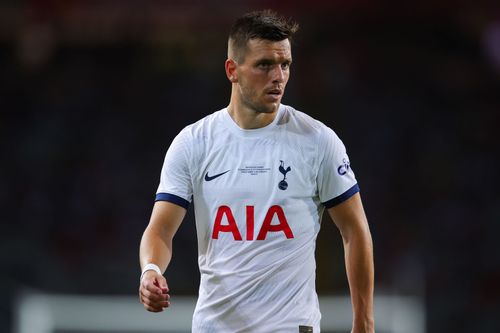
{"x": 264, "y": 65}
{"x": 285, "y": 65}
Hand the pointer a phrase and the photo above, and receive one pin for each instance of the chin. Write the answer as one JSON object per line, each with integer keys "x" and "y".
{"x": 267, "y": 110}
{"x": 269, "y": 107}
{"x": 264, "y": 107}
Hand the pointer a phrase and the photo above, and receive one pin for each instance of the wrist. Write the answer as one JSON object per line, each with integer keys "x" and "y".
{"x": 150, "y": 267}
{"x": 365, "y": 325}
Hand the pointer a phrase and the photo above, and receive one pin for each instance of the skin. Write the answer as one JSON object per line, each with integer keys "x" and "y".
{"x": 258, "y": 84}
{"x": 156, "y": 247}
{"x": 350, "y": 219}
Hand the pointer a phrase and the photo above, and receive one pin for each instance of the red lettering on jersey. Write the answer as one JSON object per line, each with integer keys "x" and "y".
{"x": 250, "y": 222}
{"x": 230, "y": 227}
{"x": 282, "y": 226}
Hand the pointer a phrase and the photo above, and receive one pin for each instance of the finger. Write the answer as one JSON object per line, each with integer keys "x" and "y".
{"x": 151, "y": 285}
{"x": 161, "y": 283}
{"x": 156, "y": 293}
{"x": 154, "y": 306}
{"x": 153, "y": 296}
{"x": 153, "y": 309}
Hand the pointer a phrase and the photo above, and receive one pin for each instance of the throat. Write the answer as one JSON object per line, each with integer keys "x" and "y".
{"x": 250, "y": 119}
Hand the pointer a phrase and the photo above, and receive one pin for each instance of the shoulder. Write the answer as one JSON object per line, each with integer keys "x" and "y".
{"x": 303, "y": 123}
{"x": 311, "y": 133}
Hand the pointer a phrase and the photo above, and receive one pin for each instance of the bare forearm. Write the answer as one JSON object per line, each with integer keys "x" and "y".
{"x": 155, "y": 248}
{"x": 156, "y": 242}
{"x": 360, "y": 273}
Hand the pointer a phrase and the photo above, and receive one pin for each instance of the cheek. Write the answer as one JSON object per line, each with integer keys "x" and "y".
{"x": 287, "y": 76}
{"x": 256, "y": 82}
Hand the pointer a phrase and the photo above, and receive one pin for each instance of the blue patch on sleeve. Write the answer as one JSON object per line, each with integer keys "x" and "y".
{"x": 173, "y": 199}
{"x": 343, "y": 197}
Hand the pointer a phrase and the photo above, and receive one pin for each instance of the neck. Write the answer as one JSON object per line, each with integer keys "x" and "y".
{"x": 247, "y": 118}
{"x": 250, "y": 119}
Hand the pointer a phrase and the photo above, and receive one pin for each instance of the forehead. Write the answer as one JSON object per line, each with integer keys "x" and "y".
{"x": 263, "y": 48}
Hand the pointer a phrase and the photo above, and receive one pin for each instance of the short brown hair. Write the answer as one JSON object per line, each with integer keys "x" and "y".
{"x": 264, "y": 24}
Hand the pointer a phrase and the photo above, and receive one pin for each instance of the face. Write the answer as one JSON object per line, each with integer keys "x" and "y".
{"x": 263, "y": 75}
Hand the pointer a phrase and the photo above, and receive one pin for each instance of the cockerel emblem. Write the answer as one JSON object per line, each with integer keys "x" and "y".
{"x": 283, "y": 185}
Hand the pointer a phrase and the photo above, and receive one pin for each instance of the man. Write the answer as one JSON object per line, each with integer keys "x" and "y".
{"x": 260, "y": 174}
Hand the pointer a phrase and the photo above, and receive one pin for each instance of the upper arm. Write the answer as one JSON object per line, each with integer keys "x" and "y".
{"x": 349, "y": 216}
{"x": 176, "y": 179}
{"x": 174, "y": 193}
{"x": 335, "y": 177}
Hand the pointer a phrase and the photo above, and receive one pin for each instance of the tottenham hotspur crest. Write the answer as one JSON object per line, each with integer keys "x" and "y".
{"x": 283, "y": 185}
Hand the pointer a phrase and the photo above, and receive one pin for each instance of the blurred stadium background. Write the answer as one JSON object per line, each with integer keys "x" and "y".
{"x": 92, "y": 93}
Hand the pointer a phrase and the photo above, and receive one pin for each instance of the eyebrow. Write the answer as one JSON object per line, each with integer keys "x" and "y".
{"x": 271, "y": 61}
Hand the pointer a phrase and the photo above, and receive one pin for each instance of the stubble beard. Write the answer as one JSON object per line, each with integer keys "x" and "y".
{"x": 260, "y": 107}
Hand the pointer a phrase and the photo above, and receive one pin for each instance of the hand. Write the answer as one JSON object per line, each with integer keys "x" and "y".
{"x": 153, "y": 292}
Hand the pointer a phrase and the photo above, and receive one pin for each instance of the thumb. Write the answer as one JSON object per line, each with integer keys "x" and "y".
{"x": 162, "y": 283}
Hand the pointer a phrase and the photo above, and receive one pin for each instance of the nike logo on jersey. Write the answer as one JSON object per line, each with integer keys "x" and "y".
{"x": 209, "y": 178}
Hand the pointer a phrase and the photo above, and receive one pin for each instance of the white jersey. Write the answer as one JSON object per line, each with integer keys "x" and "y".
{"x": 258, "y": 198}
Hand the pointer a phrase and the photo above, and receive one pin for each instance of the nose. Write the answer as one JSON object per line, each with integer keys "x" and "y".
{"x": 278, "y": 74}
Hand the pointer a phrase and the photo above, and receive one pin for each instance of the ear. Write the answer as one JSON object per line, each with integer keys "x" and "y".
{"x": 231, "y": 74}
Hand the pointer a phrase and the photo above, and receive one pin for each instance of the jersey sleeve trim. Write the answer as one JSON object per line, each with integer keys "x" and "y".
{"x": 173, "y": 199}
{"x": 343, "y": 197}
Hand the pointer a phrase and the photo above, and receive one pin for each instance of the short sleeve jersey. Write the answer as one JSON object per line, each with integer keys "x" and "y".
{"x": 258, "y": 199}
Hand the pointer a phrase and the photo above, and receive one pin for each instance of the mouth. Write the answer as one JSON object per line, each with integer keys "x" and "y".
{"x": 274, "y": 94}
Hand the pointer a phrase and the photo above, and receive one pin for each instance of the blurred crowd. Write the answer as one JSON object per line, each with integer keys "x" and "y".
{"x": 92, "y": 93}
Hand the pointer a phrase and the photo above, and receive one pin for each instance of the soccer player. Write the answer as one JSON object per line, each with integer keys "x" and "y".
{"x": 260, "y": 175}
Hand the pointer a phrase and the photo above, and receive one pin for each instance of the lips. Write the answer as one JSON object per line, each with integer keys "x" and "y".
{"x": 274, "y": 92}
{"x": 274, "y": 96}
